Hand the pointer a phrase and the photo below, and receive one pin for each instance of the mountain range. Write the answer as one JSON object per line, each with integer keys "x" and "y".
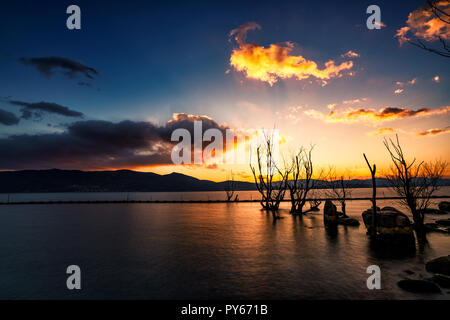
{"x": 55, "y": 180}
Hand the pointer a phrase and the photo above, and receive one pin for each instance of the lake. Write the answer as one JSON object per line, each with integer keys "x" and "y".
{"x": 195, "y": 251}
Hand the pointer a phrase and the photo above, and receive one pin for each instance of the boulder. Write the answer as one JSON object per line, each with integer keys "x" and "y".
{"x": 442, "y": 280}
{"x": 443, "y": 222}
{"x": 444, "y": 206}
{"x": 439, "y": 265}
{"x": 434, "y": 227}
{"x": 330, "y": 216}
{"x": 432, "y": 211}
{"x": 390, "y": 221}
{"x": 346, "y": 221}
{"x": 418, "y": 286}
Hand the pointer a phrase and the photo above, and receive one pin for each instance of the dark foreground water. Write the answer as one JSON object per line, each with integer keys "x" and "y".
{"x": 195, "y": 251}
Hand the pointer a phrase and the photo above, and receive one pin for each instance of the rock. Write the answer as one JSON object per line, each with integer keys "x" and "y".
{"x": 419, "y": 286}
{"x": 390, "y": 221}
{"x": 434, "y": 227}
{"x": 329, "y": 213}
{"x": 432, "y": 211}
{"x": 443, "y": 222}
{"x": 439, "y": 265}
{"x": 408, "y": 272}
{"x": 442, "y": 280}
{"x": 346, "y": 221}
{"x": 444, "y": 206}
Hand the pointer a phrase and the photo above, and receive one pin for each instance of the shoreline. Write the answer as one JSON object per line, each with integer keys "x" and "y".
{"x": 194, "y": 201}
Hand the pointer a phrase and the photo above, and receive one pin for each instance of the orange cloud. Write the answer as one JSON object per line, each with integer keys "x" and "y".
{"x": 410, "y": 82}
{"x": 385, "y": 114}
{"x": 436, "y": 79}
{"x": 350, "y": 54}
{"x": 277, "y": 62}
{"x": 354, "y": 101}
{"x": 424, "y": 24}
{"x": 433, "y": 132}
{"x": 381, "y": 131}
{"x": 398, "y": 91}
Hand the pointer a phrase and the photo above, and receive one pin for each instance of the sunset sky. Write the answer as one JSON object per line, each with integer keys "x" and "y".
{"x": 108, "y": 96}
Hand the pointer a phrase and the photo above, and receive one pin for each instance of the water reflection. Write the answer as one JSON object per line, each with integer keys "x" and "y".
{"x": 203, "y": 251}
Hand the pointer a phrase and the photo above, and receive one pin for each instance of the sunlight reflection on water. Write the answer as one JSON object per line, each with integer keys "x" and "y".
{"x": 203, "y": 251}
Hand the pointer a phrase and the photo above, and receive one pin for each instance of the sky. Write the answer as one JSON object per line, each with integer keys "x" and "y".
{"x": 109, "y": 96}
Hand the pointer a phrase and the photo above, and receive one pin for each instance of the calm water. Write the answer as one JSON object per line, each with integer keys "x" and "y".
{"x": 194, "y": 251}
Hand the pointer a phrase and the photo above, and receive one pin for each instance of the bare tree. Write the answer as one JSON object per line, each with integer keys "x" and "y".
{"x": 314, "y": 204}
{"x": 434, "y": 6}
{"x": 301, "y": 183}
{"x": 270, "y": 180}
{"x": 230, "y": 187}
{"x": 373, "y": 171}
{"x": 338, "y": 187}
{"x": 414, "y": 182}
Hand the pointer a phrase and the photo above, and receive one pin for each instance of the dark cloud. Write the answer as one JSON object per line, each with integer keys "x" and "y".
{"x": 47, "y": 65}
{"x": 46, "y": 107}
{"x": 84, "y": 84}
{"x": 96, "y": 144}
{"x": 8, "y": 118}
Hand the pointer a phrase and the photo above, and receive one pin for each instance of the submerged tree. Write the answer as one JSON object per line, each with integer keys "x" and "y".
{"x": 314, "y": 204}
{"x": 414, "y": 182}
{"x": 338, "y": 188}
{"x": 230, "y": 188}
{"x": 270, "y": 180}
{"x": 373, "y": 171}
{"x": 301, "y": 182}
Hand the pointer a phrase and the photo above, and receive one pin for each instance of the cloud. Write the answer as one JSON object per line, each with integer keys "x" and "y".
{"x": 350, "y": 54}
{"x": 371, "y": 115}
{"x": 433, "y": 132}
{"x": 436, "y": 79}
{"x": 381, "y": 131}
{"x": 49, "y": 107}
{"x": 382, "y": 24}
{"x": 98, "y": 144}
{"x": 410, "y": 82}
{"x": 398, "y": 91}
{"x": 277, "y": 62}
{"x": 424, "y": 24}
{"x": 84, "y": 84}
{"x": 8, "y": 118}
{"x": 354, "y": 101}
{"x": 331, "y": 106}
{"x": 47, "y": 65}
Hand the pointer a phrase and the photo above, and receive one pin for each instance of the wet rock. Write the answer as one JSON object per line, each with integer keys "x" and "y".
{"x": 390, "y": 221}
{"x": 442, "y": 280}
{"x": 346, "y": 221}
{"x": 434, "y": 227}
{"x": 439, "y": 265}
{"x": 443, "y": 222}
{"x": 418, "y": 286}
{"x": 444, "y": 205}
{"x": 330, "y": 216}
{"x": 432, "y": 211}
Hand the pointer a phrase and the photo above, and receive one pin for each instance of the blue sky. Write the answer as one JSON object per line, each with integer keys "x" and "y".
{"x": 155, "y": 59}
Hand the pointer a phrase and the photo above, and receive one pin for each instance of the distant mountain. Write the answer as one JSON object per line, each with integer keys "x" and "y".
{"x": 56, "y": 180}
